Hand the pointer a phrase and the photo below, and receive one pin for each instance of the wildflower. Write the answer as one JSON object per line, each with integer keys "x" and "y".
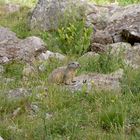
{"x": 92, "y": 82}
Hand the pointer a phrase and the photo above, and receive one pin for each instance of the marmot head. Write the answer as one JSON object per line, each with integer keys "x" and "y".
{"x": 73, "y": 65}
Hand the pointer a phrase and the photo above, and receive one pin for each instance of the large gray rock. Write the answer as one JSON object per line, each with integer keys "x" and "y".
{"x": 102, "y": 37}
{"x": 94, "y": 81}
{"x": 49, "y": 14}
{"x": 130, "y": 55}
{"x": 122, "y": 25}
{"x": 98, "y": 16}
{"x": 13, "y": 48}
{"x": 123, "y": 22}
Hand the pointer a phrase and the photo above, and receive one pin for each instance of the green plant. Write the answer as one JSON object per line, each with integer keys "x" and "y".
{"x": 14, "y": 69}
{"x": 112, "y": 118}
{"x": 131, "y": 81}
{"x": 74, "y": 39}
{"x": 103, "y": 63}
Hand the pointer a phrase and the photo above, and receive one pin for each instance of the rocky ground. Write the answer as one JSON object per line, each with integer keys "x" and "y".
{"x": 105, "y": 95}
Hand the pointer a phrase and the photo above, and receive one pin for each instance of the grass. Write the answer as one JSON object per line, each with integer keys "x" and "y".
{"x": 63, "y": 115}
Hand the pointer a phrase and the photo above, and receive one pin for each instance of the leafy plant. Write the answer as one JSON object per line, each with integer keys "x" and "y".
{"x": 74, "y": 39}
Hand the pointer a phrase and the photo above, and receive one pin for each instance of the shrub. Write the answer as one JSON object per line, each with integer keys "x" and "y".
{"x": 71, "y": 39}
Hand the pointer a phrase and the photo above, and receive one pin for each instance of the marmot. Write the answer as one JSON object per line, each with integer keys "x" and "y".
{"x": 64, "y": 74}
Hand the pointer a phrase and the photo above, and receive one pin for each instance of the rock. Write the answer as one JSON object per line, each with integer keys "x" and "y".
{"x": 28, "y": 71}
{"x": 94, "y": 81}
{"x": 34, "y": 108}
{"x": 7, "y": 35}
{"x": 130, "y": 55}
{"x": 101, "y": 37}
{"x": 11, "y": 8}
{"x": 16, "y": 112}
{"x": 13, "y": 48}
{"x": 42, "y": 67}
{"x": 1, "y": 69}
{"x": 98, "y": 48}
{"x": 125, "y": 20}
{"x": 98, "y": 16}
{"x": 4, "y": 60}
{"x": 1, "y": 138}
{"x": 119, "y": 48}
{"x": 49, "y": 14}
{"x": 49, "y": 115}
{"x": 30, "y": 47}
{"x": 18, "y": 93}
{"x": 48, "y": 54}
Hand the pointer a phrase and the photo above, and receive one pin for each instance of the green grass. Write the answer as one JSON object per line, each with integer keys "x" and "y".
{"x": 73, "y": 116}
{"x": 63, "y": 115}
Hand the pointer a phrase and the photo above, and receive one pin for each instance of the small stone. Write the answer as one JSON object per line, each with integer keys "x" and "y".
{"x": 42, "y": 67}
{"x": 28, "y": 70}
{"x": 4, "y": 60}
{"x": 34, "y": 108}
{"x": 48, "y": 115}
{"x": 1, "y": 138}
{"x": 18, "y": 93}
{"x": 16, "y": 112}
{"x": 48, "y": 54}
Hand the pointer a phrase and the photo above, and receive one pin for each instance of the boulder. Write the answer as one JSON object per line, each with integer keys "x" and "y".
{"x": 49, "y": 14}
{"x": 129, "y": 54}
{"x": 97, "y": 47}
{"x": 97, "y": 16}
{"x": 94, "y": 81}
{"x": 13, "y": 48}
{"x": 132, "y": 57}
{"x": 101, "y": 37}
{"x": 125, "y": 22}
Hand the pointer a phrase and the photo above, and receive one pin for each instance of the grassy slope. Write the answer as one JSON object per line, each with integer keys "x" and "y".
{"x": 102, "y": 115}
